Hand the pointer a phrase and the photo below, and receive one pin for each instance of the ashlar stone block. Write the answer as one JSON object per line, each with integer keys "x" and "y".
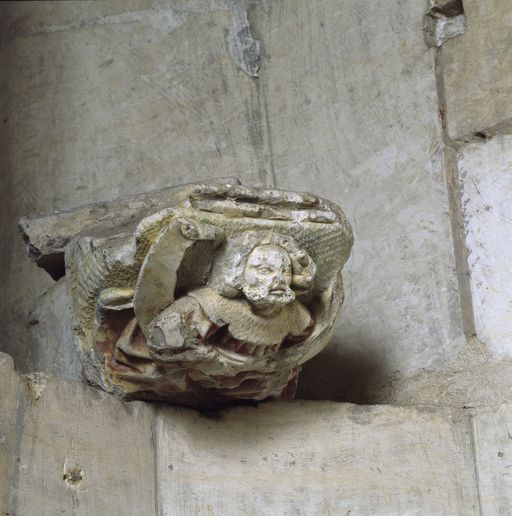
{"x": 315, "y": 458}
{"x": 476, "y": 70}
{"x": 80, "y": 451}
{"x": 492, "y": 429}
{"x": 486, "y": 184}
{"x": 352, "y": 112}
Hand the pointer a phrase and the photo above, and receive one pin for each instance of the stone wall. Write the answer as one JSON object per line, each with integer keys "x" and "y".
{"x": 346, "y": 99}
{"x": 98, "y": 455}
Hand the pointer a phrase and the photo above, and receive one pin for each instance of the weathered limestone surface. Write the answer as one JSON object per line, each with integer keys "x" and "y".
{"x": 34, "y": 16}
{"x": 486, "y": 183}
{"x": 353, "y": 116}
{"x": 493, "y": 444}
{"x": 444, "y": 20}
{"x": 80, "y": 451}
{"x": 103, "y": 106}
{"x": 481, "y": 373}
{"x": 48, "y": 235}
{"x": 11, "y": 396}
{"x": 50, "y": 334}
{"x": 315, "y": 458}
{"x": 476, "y": 69}
{"x": 73, "y": 450}
{"x": 100, "y": 106}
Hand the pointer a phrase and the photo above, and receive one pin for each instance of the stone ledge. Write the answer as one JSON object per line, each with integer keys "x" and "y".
{"x": 73, "y": 448}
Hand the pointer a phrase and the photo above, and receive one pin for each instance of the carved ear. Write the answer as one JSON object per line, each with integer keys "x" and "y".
{"x": 156, "y": 283}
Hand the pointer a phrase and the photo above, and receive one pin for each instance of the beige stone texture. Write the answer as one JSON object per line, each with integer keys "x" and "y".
{"x": 106, "y": 99}
{"x": 492, "y": 429}
{"x": 475, "y": 69}
{"x": 73, "y": 450}
{"x": 344, "y": 106}
{"x": 11, "y": 399}
{"x": 486, "y": 184}
{"x": 350, "y": 91}
{"x": 315, "y": 458}
{"x": 80, "y": 451}
{"x": 50, "y": 332}
{"x": 34, "y": 16}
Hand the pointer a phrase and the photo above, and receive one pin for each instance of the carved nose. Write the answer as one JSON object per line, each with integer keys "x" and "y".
{"x": 277, "y": 281}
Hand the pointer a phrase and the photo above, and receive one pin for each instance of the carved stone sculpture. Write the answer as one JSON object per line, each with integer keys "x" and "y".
{"x": 221, "y": 296}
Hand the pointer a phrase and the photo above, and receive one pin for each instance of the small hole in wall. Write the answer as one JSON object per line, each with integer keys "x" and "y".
{"x": 73, "y": 476}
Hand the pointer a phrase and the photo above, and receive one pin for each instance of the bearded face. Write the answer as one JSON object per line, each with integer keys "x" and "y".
{"x": 267, "y": 277}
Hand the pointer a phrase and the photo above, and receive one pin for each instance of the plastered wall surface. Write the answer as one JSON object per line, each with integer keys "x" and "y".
{"x": 105, "y": 99}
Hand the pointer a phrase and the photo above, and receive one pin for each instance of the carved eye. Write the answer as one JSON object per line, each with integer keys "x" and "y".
{"x": 265, "y": 269}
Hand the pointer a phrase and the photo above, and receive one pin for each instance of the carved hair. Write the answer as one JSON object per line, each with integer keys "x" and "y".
{"x": 227, "y": 274}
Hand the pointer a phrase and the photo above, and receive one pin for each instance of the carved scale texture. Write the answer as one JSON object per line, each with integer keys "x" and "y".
{"x": 92, "y": 269}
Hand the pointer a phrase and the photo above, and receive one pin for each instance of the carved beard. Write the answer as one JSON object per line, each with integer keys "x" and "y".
{"x": 263, "y": 297}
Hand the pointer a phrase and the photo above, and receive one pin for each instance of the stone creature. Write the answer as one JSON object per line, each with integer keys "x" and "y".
{"x": 221, "y": 297}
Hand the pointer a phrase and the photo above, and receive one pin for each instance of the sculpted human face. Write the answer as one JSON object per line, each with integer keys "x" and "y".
{"x": 267, "y": 277}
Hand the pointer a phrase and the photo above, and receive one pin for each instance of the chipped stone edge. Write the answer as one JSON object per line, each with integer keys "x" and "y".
{"x": 36, "y": 384}
{"x": 444, "y": 21}
{"x": 47, "y": 235}
{"x": 243, "y": 48}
